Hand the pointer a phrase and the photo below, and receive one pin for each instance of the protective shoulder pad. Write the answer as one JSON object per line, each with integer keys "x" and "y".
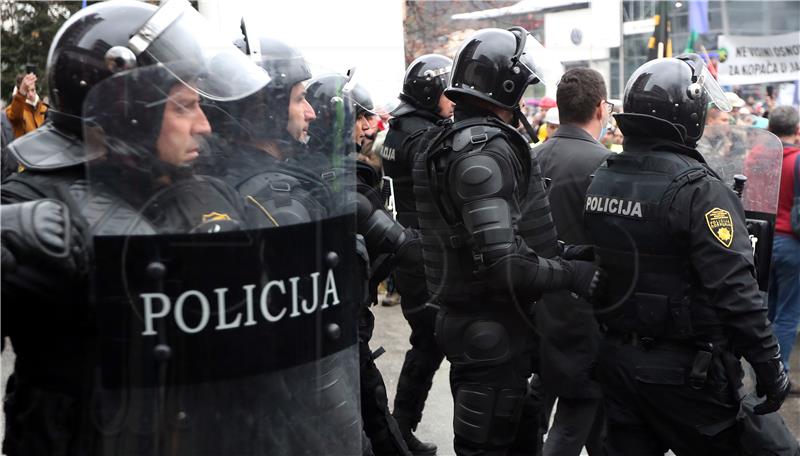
{"x": 48, "y": 148}
{"x": 107, "y": 215}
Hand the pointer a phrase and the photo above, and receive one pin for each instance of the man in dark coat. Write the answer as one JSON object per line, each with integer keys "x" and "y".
{"x": 569, "y": 333}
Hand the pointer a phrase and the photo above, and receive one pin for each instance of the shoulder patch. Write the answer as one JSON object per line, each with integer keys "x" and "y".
{"x": 720, "y": 223}
{"x": 215, "y": 216}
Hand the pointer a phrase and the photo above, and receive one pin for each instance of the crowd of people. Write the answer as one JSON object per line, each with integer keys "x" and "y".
{"x": 192, "y": 242}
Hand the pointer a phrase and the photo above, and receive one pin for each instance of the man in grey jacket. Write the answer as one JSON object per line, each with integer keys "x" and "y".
{"x": 569, "y": 333}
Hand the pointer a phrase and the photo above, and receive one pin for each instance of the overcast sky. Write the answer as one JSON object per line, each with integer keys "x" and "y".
{"x": 332, "y": 35}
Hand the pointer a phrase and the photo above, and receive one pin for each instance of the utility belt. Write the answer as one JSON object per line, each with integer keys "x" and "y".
{"x": 704, "y": 352}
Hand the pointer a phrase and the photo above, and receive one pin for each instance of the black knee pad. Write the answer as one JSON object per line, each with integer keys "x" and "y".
{"x": 486, "y": 342}
{"x": 484, "y": 415}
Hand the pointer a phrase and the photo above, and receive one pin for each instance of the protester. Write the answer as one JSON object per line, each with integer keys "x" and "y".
{"x": 26, "y": 111}
{"x": 551, "y": 123}
{"x": 545, "y": 105}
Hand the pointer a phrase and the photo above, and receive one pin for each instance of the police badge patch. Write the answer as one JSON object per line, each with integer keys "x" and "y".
{"x": 720, "y": 223}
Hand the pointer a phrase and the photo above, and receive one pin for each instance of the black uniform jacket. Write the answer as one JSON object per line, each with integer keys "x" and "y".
{"x": 569, "y": 332}
{"x": 726, "y": 272}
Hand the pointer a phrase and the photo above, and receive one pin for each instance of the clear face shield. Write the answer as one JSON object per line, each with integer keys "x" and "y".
{"x": 541, "y": 65}
{"x": 331, "y": 133}
{"x": 540, "y": 62}
{"x": 355, "y": 91}
{"x": 201, "y": 253}
{"x": 178, "y": 33}
{"x": 703, "y": 81}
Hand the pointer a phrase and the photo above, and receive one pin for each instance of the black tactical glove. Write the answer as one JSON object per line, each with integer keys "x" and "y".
{"x": 42, "y": 229}
{"x": 587, "y": 279}
{"x": 578, "y": 252}
{"x": 409, "y": 253}
{"x": 771, "y": 381}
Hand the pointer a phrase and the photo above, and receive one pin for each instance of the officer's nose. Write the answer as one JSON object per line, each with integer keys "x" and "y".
{"x": 309, "y": 112}
{"x": 201, "y": 126}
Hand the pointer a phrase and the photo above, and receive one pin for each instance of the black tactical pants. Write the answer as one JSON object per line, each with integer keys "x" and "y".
{"x": 490, "y": 352}
{"x": 424, "y": 357}
{"x": 40, "y": 422}
{"x": 379, "y": 425}
{"x": 651, "y": 405}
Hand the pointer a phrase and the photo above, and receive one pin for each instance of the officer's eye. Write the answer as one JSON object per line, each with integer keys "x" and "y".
{"x": 185, "y": 106}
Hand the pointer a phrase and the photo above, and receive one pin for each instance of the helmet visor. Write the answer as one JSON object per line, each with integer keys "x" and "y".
{"x": 539, "y": 61}
{"x": 714, "y": 91}
{"x": 216, "y": 68}
{"x": 358, "y": 95}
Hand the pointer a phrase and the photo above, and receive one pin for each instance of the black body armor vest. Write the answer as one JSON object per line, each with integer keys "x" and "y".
{"x": 398, "y": 161}
{"x": 652, "y": 290}
{"x": 277, "y": 193}
{"x": 452, "y": 271}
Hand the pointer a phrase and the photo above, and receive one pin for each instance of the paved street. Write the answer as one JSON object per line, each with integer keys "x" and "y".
{"x": 391, "y": 332}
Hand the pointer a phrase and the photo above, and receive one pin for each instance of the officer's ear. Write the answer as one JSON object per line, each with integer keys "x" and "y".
{"x": 599, "y": 110}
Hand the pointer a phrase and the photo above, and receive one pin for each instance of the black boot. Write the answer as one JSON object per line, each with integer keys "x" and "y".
{"x": 416, "y": 447}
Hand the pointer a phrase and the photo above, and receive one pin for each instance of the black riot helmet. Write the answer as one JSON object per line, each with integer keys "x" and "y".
{"x": 332, "y": 99}
{"x": 425, "y": 81}
{"x": 495, "y": 66}
{"x": 119, "y": 35}
{"x": 81, "y": 53}
{"x": 677, "y": 90}
{"x": 286, "y": 67}
{"x": 361, "y": 100}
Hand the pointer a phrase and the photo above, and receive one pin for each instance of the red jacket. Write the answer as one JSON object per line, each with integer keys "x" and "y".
{"x": 791, "y": 152}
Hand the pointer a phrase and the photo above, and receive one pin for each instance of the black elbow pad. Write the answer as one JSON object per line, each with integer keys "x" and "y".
{"x": 381, "y": 232}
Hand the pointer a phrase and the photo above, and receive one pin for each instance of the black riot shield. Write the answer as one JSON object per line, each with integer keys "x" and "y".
{"x": 749, "y": 159}
{"x": 217, "y": 334}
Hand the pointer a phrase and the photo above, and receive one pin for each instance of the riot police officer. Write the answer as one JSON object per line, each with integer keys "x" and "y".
{"x": 266, "y": 131}
{"x": 383, "y": 242}
{"x": 683, "y": 304}
{"x": 52, "y": 332}
{"x": 488, "y": 240}
{"x": 422, "y": 105}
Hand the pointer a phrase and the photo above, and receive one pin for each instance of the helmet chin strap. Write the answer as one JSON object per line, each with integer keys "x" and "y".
{"x": 527, "y": 125}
